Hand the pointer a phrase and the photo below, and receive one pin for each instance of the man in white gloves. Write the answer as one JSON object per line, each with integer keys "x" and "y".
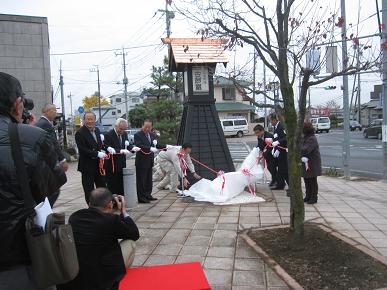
{"x": 174, "y": 163}
{"x": 91, "y": 150}
{"x": 117, "y": 145}
{"x": 147, "y": 142}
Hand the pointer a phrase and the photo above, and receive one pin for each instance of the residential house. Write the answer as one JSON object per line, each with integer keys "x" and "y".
{"x": 230, "y": 101}
{"x": 373, "y": 109}
{"x": 118, "y": 101}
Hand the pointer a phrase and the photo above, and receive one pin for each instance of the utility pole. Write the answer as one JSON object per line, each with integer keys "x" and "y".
{"x": 96, "y": 69}
{"x": 64, "y": 131}
{"x": 384, "y": 93}
{"x": 71, "y": 110}
{"x": 264, "y": 96}
{"x": 346, "y": 143}
{"x": 254, "y": 69}
{"x": 125, "y": 82}
{"x": 358, "y": 86}
{"x": 168, "y": 16}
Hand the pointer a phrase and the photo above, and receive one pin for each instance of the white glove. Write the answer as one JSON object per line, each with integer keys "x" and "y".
{"x": 102, "y": 136}
{"x": 124, "y": 151}
{"x": 126, "y": 143}
{"x": 155, "y": 143}
{"x": 153, "y": 149}
{"x": 136, "y": 149}
{"x": 275, "y": 143}
{"x": 275, "y": 153}
{"x": 111, "y": 150}
{"x": 304, "y": 159}
{"x": 275, "y": 135}
{"x": 169, "y": 146}
{"x": 101, "y": 155}
{"x": 268, "y": 140}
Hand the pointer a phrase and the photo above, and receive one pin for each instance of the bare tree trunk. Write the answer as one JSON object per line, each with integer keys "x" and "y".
{"x": 297, "y": 211}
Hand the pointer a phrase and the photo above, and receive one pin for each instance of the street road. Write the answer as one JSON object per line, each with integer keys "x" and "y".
{"x": 366, "y": 154}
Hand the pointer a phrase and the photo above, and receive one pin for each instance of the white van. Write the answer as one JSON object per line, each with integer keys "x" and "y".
{"x": 235, "y": 126}
{"x": 321, "y": 124}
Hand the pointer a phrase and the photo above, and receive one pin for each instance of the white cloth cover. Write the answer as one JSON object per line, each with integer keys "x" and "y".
{"x": 235, "y": 182}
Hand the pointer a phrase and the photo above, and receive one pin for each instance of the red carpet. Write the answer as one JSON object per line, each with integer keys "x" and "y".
{"x": 187, "y": 276}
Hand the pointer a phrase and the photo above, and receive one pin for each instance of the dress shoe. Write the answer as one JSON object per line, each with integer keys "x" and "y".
{"x": 277, "y": 187}
{"x": 143, "y": 200}
{"x": 272, "y": 183}
{"x": 151, "y": 198}
{"x": 311, "y": 201}
{"x": 288, "y": 193}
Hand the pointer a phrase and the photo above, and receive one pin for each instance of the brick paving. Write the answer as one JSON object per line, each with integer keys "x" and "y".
{"x": 176, "y": 230}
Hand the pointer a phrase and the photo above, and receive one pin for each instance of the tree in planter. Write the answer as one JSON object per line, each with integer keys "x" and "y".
{"x": 282, "y": 34}
{"x": 164, "y": 82}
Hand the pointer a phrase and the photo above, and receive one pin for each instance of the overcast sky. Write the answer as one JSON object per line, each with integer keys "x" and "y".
{"x": 86, "y": 25}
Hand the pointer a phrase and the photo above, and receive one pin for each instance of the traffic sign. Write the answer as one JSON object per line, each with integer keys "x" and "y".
{"x": 81, "y": 110}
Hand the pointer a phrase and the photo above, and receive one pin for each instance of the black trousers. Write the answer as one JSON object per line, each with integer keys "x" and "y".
{"x": 115, "y": 182}
{"x": 144, "y": 182}
{"x": 311, "y": 187}
{"x": 88, "y": 182}
{"x": 282, "y": 173}
{"x": 272, "y": 167}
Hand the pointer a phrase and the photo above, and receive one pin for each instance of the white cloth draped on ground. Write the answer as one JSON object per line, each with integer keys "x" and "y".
{"x": 228, "y": 186}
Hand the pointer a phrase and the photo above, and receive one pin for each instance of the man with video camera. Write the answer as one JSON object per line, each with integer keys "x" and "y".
{"x": 102, "y": 259}
{"x": 45, "y": 177}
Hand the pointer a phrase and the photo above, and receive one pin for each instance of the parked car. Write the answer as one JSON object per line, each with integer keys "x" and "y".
{"x": 235, "y": 127}
{"x": 131, "y": 133}
{"x": 374, "y": 129}
{"x": 321, "y": 124}
{"x": 354, "y": 125}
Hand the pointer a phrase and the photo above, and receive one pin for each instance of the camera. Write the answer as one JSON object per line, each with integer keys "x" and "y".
{"x": 114, "y": 196}
{"x": 28, "y": 106}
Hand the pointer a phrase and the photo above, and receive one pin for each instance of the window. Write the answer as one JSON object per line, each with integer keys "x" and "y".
{"x": 323, "y": 120}
{"x": 113, "y": 113}
{"x": 240, "y": 122}
{"x": 118, "y": 111}
{"x": 228, "y": 94}
{"x": 118, "y": 100}
{"x": 135, "y": 100}
{"x": 228, "y": 124}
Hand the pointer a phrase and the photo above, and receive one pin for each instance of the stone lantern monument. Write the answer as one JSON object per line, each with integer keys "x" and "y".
{"x": 200, "y": 124}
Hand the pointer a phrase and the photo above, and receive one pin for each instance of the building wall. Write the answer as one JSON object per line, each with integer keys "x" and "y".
{"x": 24, "y": 53}
{"x": 118, "y": 101}
{"x": 219, "y": 96}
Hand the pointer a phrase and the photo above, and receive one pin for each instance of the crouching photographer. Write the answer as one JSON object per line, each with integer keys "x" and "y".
{"x": 102, "y": 258}
{"x": 31, "y": 148}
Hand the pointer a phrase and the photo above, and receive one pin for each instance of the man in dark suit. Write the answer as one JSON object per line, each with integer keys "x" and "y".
{"x": 280, "y": 153}
{"x": 117, "y": 143}
{"x": 265, "y": 138}
{"x": 147, "y": 142}
{"x": 102, "y": 259}
{"x": 90, "y": 148}
{"x": 45, "y": 123}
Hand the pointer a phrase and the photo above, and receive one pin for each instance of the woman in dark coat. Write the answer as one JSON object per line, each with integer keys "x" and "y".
{"x": 311, "y": 163}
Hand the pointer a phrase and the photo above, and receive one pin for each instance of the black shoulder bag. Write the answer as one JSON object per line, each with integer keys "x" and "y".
{"x": 52, "y": 250}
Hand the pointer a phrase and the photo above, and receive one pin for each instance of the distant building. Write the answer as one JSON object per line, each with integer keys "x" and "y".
{"x": 24, "y": 53}
{"x": 118, "y": 101}
{"x": 373, "y": 109}
{"x": 230, "y": 101}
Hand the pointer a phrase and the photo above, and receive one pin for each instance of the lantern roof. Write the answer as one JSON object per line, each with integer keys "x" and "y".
{"x": 195, "y": 51}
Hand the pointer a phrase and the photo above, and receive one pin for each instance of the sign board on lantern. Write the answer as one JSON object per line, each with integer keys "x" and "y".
{"x": 186, "y": 83}
{"x": 313, "y": 61}
{"x": 200, "y": 79}
{"x": 331, "y": 59}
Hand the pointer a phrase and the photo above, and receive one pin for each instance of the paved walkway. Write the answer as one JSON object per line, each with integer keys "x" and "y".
{"x": 174, "y": 230}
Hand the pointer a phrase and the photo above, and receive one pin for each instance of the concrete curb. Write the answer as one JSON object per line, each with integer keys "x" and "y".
{"x": 292, "y": 283}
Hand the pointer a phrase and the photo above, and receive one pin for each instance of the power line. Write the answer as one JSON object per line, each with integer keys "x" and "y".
{"x": 103, "y": 50}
